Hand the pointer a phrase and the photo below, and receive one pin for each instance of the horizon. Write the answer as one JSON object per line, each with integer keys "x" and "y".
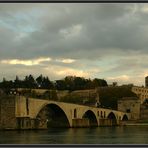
{"x": 118, "y": 84}
{"x": 107, "y": 42}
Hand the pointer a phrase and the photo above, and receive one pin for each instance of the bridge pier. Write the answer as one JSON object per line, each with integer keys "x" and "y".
{"x": 80, "y": 122}
{"x": 105, "y": 122}
{"x": 25, "y": 123}
{"x": 28, "y": 123}
{"x": 108, "y": 122}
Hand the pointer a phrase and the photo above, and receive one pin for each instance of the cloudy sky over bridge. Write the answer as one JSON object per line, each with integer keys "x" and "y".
{"x": 107, "y": 41}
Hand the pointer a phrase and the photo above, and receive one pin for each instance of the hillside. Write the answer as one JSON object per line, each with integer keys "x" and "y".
{"x": 108, "y": 96}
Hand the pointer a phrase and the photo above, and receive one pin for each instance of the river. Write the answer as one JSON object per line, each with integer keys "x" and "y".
{"x": 98, "y": 135}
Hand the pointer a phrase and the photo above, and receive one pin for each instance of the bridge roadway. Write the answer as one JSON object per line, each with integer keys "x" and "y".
{"x": 37, "y": 113}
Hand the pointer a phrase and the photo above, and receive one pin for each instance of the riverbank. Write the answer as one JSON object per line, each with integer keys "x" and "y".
{"x": 137, "y": 123}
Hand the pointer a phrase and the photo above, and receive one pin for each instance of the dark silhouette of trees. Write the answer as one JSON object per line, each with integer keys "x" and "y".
{"x": 99, "y": 82}
{"x": 70, "y": 83}
{"x": 47, "y": 84}
{"x": 44, "y": 82}
{"x": 6, "y": 85}
{"x": 60, "y": 85}
{"x": 39, "y": 81}
{"x": 29, "y": 82}
{"x": 18, "y": 83}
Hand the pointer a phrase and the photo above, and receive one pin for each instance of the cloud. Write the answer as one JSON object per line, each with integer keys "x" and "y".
{"x": 137, "y": 79}
{"x": 66, "y": 61}
{"x": 73, "y": 31}
{"x": 26, "y": 62}
{"x": 55, "y": 36}
{"x": 122, "y": 77}
{"x": 72, "y": 72}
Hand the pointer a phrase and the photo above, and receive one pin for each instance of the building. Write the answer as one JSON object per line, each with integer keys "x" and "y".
{"x": 144, "y": 110}
{"x": 146, "y": 81}
{"x": 141, "y": 92}
{"x": 130, "y": 105}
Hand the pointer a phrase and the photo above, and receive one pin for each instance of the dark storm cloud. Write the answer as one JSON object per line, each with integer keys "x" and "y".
{"x": 100, "y": 30}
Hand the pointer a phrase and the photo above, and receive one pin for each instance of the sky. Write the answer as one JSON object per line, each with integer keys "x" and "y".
{"x": 92, "y": 40}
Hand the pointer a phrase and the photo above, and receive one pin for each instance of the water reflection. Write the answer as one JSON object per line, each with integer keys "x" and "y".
{"x": 98, "y": 135}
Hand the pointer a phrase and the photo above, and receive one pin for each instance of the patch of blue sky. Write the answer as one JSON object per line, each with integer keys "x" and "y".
{"x": 15, "y": 26}
{"x": 6, "y": 25}
{"x": 23, "y": 21}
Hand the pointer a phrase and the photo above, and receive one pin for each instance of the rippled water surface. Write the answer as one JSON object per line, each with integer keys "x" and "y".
{"x": 99, "y": 135}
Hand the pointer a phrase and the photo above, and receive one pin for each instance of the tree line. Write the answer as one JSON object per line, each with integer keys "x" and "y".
{"x": 70, "y": 83}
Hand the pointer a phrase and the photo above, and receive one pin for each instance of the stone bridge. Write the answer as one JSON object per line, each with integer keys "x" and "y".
{"x": 40, "y": 114}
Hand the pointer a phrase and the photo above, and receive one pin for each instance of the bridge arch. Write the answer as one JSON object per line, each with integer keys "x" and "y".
{"x": 125, "y": 117}
{"x": 112, "y": 118}
{"x": 92, "y": 118}
{"x": 51, "y": 115}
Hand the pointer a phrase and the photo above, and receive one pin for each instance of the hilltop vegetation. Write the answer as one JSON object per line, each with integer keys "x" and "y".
{"x": 70, "y": 83}
{"x": 110, "y": 95}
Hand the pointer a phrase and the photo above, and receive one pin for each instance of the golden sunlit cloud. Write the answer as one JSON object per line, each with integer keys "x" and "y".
{"x": 26, "y": 62}
{"x": 66, "y": 61}
{"x": 64, "y": 71}
{"x": 68, "y": 71}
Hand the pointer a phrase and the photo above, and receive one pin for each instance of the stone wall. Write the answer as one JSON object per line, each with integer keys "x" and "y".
{"x": 144, "y": 112}
{"x": 7, "y": 112}
{"x": 62, "y": 93}
{"x": 130, "y": 105}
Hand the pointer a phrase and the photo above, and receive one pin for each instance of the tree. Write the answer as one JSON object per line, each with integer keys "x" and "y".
{"x": 69, "y": 82}
{"x": 46, "y": 83}
{"x": 17, "y": 82}
{"x": 29, "y": 82}
{"x": 39, "y": 80}
{"x": 99, "y": 82}
{"x": 60, "y": 85}
{"x": 6, "y": 85}
{"x": 80, "y": 83}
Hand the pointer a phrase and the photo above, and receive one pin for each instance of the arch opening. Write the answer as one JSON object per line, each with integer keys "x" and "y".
{"x": 125, "y": 118}
{"x": 92, "y": 118}
{"x": 112, "y": 119}
{"x": 75, "y": 113}
{"x": 51, "y": 116}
